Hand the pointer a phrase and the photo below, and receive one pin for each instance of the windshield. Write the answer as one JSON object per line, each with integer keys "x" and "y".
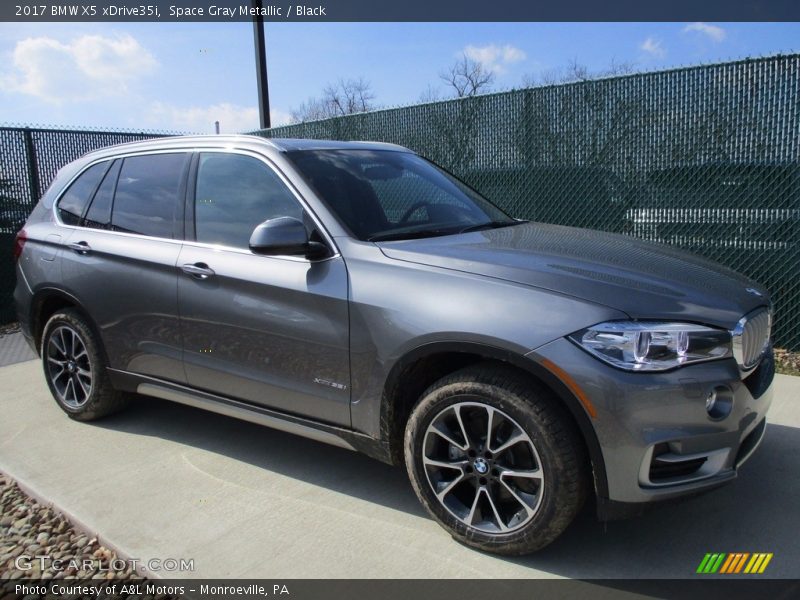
{"x": 390, "y": 195}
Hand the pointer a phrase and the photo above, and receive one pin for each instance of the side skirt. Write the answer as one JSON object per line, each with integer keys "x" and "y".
{"x": 321, "y": 432}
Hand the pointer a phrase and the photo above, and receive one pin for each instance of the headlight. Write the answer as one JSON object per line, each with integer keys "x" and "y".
{"x": 653, "y": 346}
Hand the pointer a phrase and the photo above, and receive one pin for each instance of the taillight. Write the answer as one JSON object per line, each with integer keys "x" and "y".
{"x": 19, "y": 243}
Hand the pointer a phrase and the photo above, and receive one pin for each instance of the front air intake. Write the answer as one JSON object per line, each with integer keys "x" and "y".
{"x": 665, "y": 465}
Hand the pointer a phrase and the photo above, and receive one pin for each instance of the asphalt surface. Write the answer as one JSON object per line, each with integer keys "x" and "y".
{"x": 167, "y": 481}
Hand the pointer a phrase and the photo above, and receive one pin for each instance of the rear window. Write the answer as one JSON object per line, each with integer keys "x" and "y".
{"x": 147, "y": 197}
{"x": 75, "y": 199}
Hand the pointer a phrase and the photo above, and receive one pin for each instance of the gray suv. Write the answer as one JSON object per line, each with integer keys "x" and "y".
{"x": 357, "y": 294}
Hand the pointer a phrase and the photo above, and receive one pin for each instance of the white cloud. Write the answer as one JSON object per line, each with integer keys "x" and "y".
{"x": 85, "y": 68}
{"x": 653, "y": 47}
{"x": 279, "y": 117}
{"x": 200, "y": 119}
{"x": 495, "y": 58}
{"x": 714, "y": 32}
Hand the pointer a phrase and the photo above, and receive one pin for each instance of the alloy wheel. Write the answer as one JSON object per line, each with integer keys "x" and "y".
{"x": 483, "y": 467}
{"x": 69, "y": 367}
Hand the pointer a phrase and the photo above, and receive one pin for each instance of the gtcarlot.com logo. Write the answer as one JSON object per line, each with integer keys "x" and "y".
{"x": 154, "y": 565}
{"x": 733, "y": 563}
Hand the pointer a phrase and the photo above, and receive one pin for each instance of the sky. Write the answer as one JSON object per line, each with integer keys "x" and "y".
{"x": 182, "y": 77}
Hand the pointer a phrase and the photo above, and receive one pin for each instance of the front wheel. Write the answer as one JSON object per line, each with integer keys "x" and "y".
{"x": 495, "y": 460}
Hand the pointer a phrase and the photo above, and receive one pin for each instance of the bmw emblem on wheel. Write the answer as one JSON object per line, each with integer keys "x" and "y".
{"x": 480, "y": 466}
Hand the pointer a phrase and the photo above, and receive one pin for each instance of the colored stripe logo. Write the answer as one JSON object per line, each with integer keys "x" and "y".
{"x": 731, "y": 563}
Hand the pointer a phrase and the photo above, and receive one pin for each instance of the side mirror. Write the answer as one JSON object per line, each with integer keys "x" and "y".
{"x": 285, "y": 236}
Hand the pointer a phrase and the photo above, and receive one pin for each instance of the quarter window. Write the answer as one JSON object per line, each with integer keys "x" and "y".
{"x": 146, "y": 200}
{"x": 99, "y": 214}
{"x": 75, "y": 199}
{"x": 234, "y": 193}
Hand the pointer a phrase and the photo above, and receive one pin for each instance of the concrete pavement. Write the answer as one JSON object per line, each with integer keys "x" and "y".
{"x": 14, "y": 349}
{"x": 167, "y": 481}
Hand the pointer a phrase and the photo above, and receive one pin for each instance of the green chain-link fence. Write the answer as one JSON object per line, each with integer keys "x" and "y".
{"x": 706, "y": 158}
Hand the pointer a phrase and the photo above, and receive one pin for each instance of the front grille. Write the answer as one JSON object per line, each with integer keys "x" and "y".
{"x": 751, "y": 338}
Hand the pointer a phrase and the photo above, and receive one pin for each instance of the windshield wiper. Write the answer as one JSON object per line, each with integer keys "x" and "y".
{"x": 410, "y": 235}
{"x": 490, "y": 225}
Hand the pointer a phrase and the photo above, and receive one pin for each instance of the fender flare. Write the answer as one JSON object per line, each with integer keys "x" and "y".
{"x": 531, "y": 367}
{"x": 40, "y": 296}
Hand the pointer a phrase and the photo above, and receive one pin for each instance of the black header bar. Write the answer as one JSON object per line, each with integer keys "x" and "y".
{"x": 398, "y": 11}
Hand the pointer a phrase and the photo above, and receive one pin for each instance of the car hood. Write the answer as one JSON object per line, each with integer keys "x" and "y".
{"x": 643, "y": 279}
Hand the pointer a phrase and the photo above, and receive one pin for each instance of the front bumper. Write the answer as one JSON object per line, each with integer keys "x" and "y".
{"x": 657, "y": 440}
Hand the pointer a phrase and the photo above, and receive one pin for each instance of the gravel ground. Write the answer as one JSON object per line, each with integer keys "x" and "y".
{"x": 30, "y": 529}
{"x": 787, "y": 362}
{"x": 9, "y": 328}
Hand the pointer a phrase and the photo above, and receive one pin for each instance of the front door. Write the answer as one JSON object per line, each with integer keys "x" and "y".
{"x": 271, "y": 331}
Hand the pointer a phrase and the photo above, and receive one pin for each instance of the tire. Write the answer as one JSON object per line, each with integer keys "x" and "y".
{"x": 520, "y": 496}
{"x": 75, "y": 368}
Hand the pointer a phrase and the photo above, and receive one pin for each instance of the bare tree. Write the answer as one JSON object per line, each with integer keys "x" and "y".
{"x": 575, "y": 72}
{"x": 430, "y": 94}
{"x": 468, "y": 77}
{"x": 548, "y": 77}
{"x": 345, "y": 97}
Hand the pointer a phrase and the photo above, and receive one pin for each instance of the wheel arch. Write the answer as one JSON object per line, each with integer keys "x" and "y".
{"x": 425, "y": 364}
{"x": 45, "y": 303}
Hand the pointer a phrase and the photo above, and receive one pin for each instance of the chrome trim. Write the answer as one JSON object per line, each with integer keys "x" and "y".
{"x": 742, "y": 348}
{"x": 190, "y": 150}
{"x": 237, "y": 410}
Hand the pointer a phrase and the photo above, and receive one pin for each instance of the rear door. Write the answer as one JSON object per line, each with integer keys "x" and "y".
{"x": 272, "y": 331}
{"x": 120, "y": 261}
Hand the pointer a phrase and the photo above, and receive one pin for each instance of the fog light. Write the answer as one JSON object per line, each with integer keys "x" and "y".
{"x": 719, "y": 402}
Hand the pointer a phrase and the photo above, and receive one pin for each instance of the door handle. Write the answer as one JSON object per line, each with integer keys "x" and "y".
{"x": 198, "y": 270}
{"x": 80, "y": 247}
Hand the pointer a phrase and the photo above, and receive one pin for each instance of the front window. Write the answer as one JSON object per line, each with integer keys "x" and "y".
{"x": 234, "y": 193}
{"x": 386, "y": 195}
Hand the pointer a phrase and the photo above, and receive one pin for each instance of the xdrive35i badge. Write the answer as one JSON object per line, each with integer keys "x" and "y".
{"x": 333, "y": 384}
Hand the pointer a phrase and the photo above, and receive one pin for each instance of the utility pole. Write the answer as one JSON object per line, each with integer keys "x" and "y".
{"x": 261, "y": 64}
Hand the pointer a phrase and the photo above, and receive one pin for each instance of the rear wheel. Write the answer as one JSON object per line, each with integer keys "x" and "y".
{"x": 495, "y": 460}
{"x": 75, "y": 368}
